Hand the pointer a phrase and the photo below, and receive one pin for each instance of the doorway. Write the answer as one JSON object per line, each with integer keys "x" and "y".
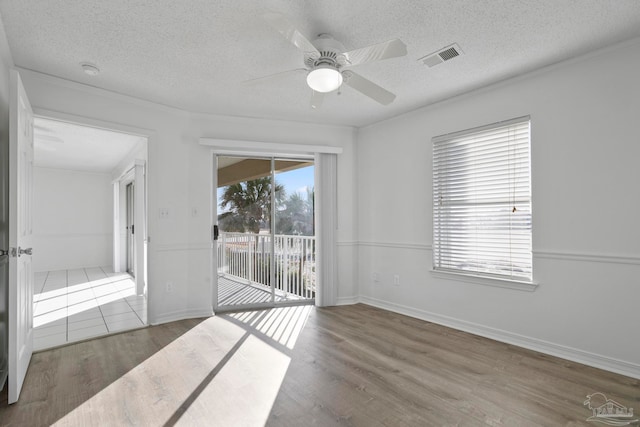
{"x": 82, "y": 251}
{"x": 264, "y": 216}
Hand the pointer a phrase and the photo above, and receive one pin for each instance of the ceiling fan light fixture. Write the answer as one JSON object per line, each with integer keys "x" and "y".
{"x": 324, "y": 79}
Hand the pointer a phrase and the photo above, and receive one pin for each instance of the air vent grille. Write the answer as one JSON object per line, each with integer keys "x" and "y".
{"x": 449, "y": 54}
{"x": 444, "y": 54}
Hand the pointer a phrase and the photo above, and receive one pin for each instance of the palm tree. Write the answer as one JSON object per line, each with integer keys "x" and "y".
{"x": 297, "y": 217}
{"x": 249, "y": 205}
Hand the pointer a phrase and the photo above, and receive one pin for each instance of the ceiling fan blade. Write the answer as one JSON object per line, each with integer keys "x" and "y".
{"x": 368, "y": 88}
{"x": 275, "y": 76}
{"x": 376, "y": 52}
{"x": 316, "y": 99}
{"x": 291, "y": 33}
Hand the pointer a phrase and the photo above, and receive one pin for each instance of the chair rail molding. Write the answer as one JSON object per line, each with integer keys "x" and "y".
{"x": 398, "y": 245}
{"x": 587, "y": 257}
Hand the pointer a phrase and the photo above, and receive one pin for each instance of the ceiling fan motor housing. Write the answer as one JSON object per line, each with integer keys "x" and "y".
{"x": 330, "y": 53}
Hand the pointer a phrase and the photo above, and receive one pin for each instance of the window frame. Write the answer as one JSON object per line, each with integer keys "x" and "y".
{"x": 512, "y": 281}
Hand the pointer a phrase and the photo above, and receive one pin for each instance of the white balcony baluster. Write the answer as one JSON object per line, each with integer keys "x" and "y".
{"x": 245, "y": 257}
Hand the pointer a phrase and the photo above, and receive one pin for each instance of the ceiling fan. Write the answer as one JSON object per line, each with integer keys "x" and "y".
{"x": 328, "y": 66}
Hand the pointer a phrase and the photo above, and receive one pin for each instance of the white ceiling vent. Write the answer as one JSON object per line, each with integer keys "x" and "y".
{"x": 444, "y": 54}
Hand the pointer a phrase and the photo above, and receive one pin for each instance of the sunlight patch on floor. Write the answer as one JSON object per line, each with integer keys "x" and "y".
{"x": 72, "y": 305}
{"x": 196, "y": 379}
{"x": 59, "y": 303}
{"x": 282, "y": 324}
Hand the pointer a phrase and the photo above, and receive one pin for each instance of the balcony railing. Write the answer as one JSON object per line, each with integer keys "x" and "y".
{"x": 248, "y": 257}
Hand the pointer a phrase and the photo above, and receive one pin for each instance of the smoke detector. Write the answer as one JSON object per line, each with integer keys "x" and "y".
{"x": 90, "y": 69}
{"x": 442, "y": 55}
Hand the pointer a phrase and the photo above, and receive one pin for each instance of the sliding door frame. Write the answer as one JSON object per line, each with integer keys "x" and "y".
{"x": 326, "y": 291}
{"x": 272, "y": 221}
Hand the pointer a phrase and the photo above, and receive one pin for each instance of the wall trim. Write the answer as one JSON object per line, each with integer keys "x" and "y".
{"x": 569, "y": 353}
{"x": 181, "y": 315}
{"x": 348, "y": 300}
{"x": 587, "y": 257}
{"x": 542, "y": 254}
{"x": 398, "y": 245}
{"x": 347, "y": 243}
{"x": 73, "y": 171}
{"x": 182, "y": 247}
{"x": 70, "y": 235}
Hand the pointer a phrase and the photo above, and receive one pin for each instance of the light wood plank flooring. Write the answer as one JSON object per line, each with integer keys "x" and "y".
{"x": 303, "y": 366}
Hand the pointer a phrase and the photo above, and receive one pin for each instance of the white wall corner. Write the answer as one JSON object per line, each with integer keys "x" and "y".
{"x": 348, "y": 300}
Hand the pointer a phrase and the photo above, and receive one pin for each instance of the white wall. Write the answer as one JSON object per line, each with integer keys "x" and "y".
{"x": 72, "y": 219}
{"x": 179, "y": 172}
{"x": 585, "y": 121}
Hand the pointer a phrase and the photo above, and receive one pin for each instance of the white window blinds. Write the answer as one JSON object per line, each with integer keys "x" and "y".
{"x": 482, "y": 201}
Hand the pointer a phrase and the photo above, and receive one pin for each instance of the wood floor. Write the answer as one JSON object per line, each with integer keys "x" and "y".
{"x": 351, "y": 366}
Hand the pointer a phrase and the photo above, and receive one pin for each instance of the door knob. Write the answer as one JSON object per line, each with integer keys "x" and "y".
{"x": 28, "y": 251}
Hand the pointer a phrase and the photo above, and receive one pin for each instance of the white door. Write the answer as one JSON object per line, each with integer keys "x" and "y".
{"x": 20, "y": 265}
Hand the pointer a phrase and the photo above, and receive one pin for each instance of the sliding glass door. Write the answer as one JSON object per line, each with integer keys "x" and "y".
{"x": 265, "y": 248}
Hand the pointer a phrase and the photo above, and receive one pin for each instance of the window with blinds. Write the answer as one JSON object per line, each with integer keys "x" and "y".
{"x": 482, "y": 201}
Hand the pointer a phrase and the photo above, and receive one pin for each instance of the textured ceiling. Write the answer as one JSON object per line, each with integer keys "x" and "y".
{"x": 195, "y": 54}
{"x": 61, "y": 145}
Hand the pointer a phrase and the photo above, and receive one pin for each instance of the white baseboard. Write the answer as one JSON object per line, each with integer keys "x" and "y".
{"x": 586, "y": 358}
{"x": 180, "y": 315}
{"x": 348, "y": 300}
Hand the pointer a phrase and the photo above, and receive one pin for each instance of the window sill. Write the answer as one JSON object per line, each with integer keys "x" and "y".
{"x": 518, "y": 285}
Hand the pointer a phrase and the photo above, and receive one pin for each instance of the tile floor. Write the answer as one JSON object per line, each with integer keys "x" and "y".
{"x": 73, "y": 305}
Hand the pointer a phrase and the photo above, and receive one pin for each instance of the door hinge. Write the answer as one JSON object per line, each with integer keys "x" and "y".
{"x": 132, "y": 232}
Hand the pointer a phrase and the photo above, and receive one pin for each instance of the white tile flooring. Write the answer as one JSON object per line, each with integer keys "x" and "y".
{"x": 73, "y": 305}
